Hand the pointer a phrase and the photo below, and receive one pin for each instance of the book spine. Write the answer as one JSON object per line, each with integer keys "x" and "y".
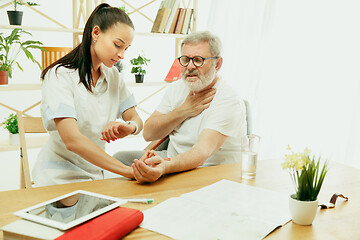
{"x": 187, "y": 20}
{"x": 175, "y": 5}
{"x": 181, "y": 21}
{"x": 178, "y": 22}
{"x": 156, "y": 24}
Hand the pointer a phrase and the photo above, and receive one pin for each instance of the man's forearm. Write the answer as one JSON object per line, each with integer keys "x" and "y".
{"x": 160, "y": 125}
{"x": 186, "y": 161}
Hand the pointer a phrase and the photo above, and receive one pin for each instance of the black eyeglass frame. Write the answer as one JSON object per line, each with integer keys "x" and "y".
{"x": 192, "y": 59}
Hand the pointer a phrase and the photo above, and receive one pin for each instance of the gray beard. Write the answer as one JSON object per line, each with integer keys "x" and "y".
{"x": 203, "y": 82}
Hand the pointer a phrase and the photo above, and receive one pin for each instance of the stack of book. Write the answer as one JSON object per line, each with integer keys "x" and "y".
{"x": 171, "y": 18}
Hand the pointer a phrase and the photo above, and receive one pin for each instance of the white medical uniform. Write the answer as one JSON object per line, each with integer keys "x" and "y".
{"x": 226, "y": 114}
{"x": 64, "y": 97}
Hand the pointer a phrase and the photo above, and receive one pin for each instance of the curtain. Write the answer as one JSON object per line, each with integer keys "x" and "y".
{"x": 297, "y": 63}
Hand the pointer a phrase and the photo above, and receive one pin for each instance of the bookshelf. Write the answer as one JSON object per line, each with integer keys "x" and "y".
{"x": 82, "y": 9}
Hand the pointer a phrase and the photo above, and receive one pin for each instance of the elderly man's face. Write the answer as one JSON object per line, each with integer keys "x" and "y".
{"x": 198, "y": 78}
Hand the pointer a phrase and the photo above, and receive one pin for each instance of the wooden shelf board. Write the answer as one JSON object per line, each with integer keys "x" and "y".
{"x": 20, "y": 87}
{"x": 32, "y": 142}
{"x": 48, "y": 29}
{"x": 37, "y": 86}
{"x": 80, "y": 30}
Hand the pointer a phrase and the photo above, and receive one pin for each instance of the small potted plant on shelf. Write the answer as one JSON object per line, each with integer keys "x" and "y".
{"x": 15, "y": 16}
{"x": 11, "y": 125}
{"x": 308, "y": 178}
{"x": 10, "y": 49}
{"x": 138, "y": 67}
{"x": 123, "y": 8}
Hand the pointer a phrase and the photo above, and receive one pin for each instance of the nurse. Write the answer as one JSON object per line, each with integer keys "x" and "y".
{"x": 82, "y": 96}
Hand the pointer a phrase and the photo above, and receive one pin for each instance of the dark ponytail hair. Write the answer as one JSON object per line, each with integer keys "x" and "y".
{"x": 103, "y": 16}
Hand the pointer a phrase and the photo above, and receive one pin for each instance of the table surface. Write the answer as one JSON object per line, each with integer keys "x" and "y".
{"x": 341, "y": 222}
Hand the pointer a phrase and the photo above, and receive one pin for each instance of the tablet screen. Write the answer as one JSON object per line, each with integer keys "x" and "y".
{"x": 70, "y": 210}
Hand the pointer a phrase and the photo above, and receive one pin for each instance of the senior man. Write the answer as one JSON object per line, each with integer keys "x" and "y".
{"x": 203, "y": 116}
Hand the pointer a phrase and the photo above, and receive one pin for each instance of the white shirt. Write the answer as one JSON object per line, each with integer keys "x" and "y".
{"x": 226, "y": 114}
{"x": 64, "y": 97}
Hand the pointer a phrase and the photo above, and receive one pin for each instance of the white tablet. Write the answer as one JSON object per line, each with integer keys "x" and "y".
{"x": 71, "y": 209}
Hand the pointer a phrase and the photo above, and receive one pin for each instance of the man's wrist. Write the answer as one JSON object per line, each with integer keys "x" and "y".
{"x": 136, "y": 127}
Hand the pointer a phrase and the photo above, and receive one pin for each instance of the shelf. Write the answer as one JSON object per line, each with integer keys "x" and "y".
{"x": 80, "y": 30}
{"x": 31, "y": 142}
{"x": 47, "y": 29}
{"x": 20, "y": 87}
{"x": 37, "y": 86}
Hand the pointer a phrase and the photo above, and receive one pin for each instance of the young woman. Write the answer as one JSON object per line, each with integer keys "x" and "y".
{"x": 82, "y": 96}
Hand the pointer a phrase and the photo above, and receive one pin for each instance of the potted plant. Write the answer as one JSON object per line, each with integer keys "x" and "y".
{"x": 308, "y": 178}
{"x": 138, "y": 67}
{"x": 123, "y": 8}
{"x": 11, "y": 125}
{"x": 15, "y": 16}
{"x": 10, "y": 49}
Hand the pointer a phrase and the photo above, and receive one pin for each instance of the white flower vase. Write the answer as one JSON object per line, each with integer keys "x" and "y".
{"x": 14, "y": 139}
{"x": 302, "y": 212}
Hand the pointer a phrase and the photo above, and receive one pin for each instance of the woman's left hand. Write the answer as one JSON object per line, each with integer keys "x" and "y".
{"x": 115, "y": 130}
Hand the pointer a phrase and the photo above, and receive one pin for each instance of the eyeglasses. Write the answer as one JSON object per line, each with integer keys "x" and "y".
{"x": 198, "y": 61}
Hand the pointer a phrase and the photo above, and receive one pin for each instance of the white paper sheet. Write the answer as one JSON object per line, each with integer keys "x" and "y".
{"x": 223, "y": 210}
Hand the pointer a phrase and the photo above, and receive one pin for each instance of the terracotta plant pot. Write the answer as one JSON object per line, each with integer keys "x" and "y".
{"x": 4, "y": 78}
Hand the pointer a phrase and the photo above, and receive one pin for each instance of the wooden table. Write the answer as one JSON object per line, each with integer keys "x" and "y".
{"x": 341, "y": 222}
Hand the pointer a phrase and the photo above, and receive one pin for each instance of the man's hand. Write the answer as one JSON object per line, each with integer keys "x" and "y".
{"x": 149, "y": 168}
{"x": 115, "y": 130}
{"x": 195, "y": 103}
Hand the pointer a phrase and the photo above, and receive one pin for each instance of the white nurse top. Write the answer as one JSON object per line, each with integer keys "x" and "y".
{"x": 63, "y": 96}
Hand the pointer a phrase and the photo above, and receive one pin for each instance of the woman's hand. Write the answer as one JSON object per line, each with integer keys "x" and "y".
{"x": 115, "y": 130}
{"x": 150, "y": 167}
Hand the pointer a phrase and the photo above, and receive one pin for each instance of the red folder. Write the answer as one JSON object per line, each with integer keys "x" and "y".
{"x": 112, "y": 225}
{"x": 174, "y": 72}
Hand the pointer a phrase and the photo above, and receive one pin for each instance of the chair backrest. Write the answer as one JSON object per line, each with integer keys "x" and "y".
{"x": 27, "y": 125}
{"x": 252, "y": 137}
{"x": 248, "y": 117}
{"x": 52, "y": 54}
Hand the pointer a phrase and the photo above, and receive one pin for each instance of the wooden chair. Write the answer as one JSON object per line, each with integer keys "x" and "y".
{"x": 52, "y": 54}
{"x": 27, "y": 125}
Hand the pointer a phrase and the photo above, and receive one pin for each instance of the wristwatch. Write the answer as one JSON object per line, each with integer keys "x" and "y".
{"x": 136, "y": 127}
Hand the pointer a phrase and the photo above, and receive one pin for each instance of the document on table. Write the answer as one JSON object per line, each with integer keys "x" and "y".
{"x": 223, "y": 210}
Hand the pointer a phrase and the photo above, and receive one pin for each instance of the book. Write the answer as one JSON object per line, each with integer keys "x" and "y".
{"x": 230, "y": 208}
{"x": 173, "y": 24}
{"x": 111, "y": 225}
{"x": 158, "y": 20}
{"x": 174, "y": 72}
{"x": 165, "y": 16}
{"x": 180, "y": 19}
{"x": 174, "y": 6}
{"x": 187, "y": 21}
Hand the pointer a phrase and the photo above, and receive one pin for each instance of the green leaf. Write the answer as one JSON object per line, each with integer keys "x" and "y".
{"x": 11, "y": 124}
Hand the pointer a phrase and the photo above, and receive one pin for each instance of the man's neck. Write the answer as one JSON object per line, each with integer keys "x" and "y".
{"x": 211, "y": 84}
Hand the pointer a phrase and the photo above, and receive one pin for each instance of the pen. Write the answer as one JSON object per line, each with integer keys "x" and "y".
{"x": 139, "y": 200}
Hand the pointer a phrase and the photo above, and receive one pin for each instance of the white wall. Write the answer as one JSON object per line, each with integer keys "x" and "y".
{"x": 296, "y": 61}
